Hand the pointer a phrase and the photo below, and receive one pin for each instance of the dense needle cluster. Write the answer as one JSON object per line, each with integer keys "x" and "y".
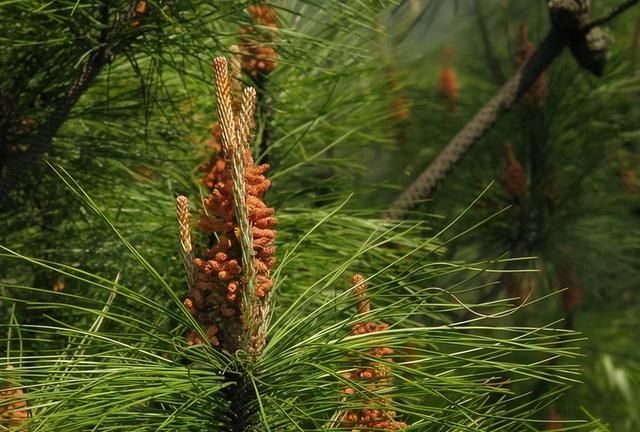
{"x": 373, "y": 376}
{"x": 220, "y": 273}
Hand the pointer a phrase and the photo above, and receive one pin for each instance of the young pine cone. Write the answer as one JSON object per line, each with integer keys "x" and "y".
{"x": 514, "y": 178}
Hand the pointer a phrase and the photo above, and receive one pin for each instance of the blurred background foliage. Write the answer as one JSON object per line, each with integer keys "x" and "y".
{"x": 364, "y": 95}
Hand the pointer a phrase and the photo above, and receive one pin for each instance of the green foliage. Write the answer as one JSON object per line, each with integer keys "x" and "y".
{"x": 91, "y": 284}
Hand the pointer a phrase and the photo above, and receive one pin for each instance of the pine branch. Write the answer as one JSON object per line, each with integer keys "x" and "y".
{"x": 614, "y": 12}
{"x": 479, "y": 125}
{"x": 234, "y": 134}
{"x": 551, "y": 47}
{"x": 23, "y": 164}
{"x": 243, "y": 402}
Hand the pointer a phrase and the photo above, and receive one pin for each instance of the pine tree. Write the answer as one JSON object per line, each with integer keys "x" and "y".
{"x": 117, "y": 317}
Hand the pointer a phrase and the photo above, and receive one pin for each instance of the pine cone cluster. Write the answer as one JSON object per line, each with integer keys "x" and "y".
{"x": 537, "y": 94}
{"x": 374, "y": 375}
{"x": 372, "y": 420}
{"x": 258, "y": 54}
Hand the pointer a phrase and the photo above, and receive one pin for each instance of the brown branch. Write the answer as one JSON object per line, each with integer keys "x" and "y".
{"x": 510, "y": 93}
{"x": 614, "y": 12}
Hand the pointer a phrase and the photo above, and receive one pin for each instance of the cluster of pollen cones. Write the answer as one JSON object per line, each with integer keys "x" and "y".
{"x": 258, "y": 56}
{"x": 13, "y": 408}
{"x": 221, "y": 275}
{"x": 255, "y": 57}
{"x": 138, "y": 12}
{"x": 374, "y": 375}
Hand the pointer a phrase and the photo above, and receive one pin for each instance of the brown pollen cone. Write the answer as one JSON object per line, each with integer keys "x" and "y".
{"x": 372, "y": 375}
{"x": 263, "y": 15}
{"x": 13, "y": 408}
{"x": 538, "y": 92}
{"x": 139, "y": 11}
{"x": 449, "y": 85}
{"x": 258, "y": 54}
{"x": 514, "y": 178}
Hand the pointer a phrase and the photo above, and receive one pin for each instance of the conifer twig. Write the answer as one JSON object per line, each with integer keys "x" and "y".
{"x": 360, "y": 288}
{"x": 186, "y": 248}
{"x": 510, "y": 93}
{"x": 235, "y": 136}
{"x": 232, "y": 133}
{"x": 614, "y": 12}
{"x": 246, "y": 120}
